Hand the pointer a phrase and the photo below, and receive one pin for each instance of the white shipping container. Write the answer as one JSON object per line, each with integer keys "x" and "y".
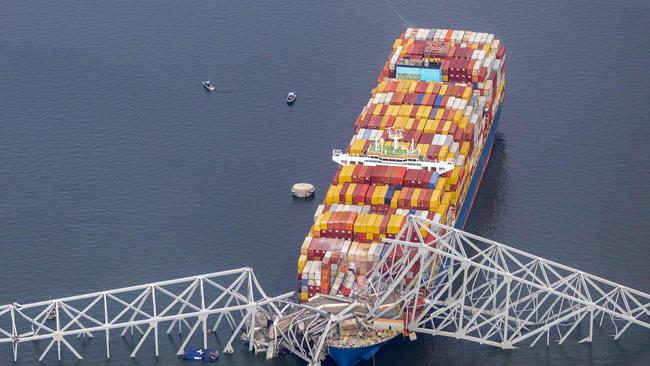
{"x": 436, "y": 35}
{"x": 454, "y": 147}
{"x": 389, "y": 97}
{"x": 468, "y": 110}
{"x": 472, "y": 37}
{"x": 456, "y": 104}
{"x": 463, "y": 104}
{"x": 460, "y": 160}
{"x": 449, "y": 140}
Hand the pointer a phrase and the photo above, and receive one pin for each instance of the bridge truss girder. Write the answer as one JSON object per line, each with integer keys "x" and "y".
{"x": 230, "y": 299}
{"x": 493, "y": 294}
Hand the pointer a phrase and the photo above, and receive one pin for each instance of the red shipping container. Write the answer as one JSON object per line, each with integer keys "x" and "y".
{"x": 410, "y": 178}
{"x": 424, "y": 198}
{"x": 433, "y": 152}
{"x": 453, "y": 128}
{"x": 414, "y": 111}
{"x": 399, "y": 175}
{"x": 426, "y": 138}
{"x": 501, "y": 52}
{"x": 410, "y": 98}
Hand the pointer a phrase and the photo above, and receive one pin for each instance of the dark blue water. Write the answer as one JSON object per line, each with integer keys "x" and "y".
{"x": 116, "y": 168}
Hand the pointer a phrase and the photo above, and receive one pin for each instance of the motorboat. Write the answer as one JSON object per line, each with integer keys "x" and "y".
{"x": 208, "y": 85}
{"x": 291, "y": 98}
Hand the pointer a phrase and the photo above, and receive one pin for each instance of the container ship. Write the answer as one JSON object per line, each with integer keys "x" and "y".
{"x": 420, "y": 146}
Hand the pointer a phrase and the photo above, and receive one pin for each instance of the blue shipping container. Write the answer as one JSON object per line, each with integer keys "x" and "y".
{"x": 389, "y": 195}
{"x": 434, "y": 180}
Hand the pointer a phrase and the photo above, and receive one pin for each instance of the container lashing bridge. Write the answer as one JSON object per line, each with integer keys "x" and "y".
{"x": 444, "y": 282}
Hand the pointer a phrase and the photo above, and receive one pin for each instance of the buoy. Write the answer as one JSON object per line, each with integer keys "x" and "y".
{"x": 303, "y": 190}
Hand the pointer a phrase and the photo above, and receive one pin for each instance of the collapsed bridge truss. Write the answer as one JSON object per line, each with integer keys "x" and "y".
{"x": 445, "y": 282}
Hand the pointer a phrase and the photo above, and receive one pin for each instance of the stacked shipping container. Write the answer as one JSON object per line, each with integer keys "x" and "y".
{"x": 446, "y": 120}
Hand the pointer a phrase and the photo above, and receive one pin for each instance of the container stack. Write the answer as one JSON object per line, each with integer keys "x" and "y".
{"x": 442, "y": 88}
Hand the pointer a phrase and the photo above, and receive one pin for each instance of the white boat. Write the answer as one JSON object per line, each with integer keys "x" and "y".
{"x": 208, "y": 85}
{"x": 291, "y": 97}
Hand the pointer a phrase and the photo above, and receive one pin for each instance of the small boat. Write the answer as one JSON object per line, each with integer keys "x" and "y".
{"x": 291, "y": 98}
{"x": 200, "y": 354}
{"x": 208, "y": 85}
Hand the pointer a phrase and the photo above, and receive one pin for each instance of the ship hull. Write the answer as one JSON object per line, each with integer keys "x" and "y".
{"x": 352, "y": 356}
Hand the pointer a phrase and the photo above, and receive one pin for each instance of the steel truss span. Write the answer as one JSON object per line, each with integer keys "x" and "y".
{"x": 444, "y": 282}
{"x": 460, "y": 285}
{"x": 233, "y": 300}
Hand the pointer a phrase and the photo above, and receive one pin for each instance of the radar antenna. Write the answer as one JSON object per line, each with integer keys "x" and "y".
{"x": 396, "y": 135}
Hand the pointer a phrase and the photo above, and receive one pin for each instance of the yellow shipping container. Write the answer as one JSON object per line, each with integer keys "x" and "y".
{"x": 358, "y": 221}
{"x": 329, "y": 195}
{"x": 384, "y": 122}
{"x": 422, "y": 148}
{"x": 397, "y": 43}
{"x": 378, "y": 195}
{"x": 377, "y": 110}
{"x": 376, "y": 224}
{"x": 346, "y": 173}
{"x": 431, "y": 126}
{"x": 323, "y": 222}
{"x": 409, "y": 124}
{"x": 421, "y": 124}
{"x": 442, "y": 210}
{"x": 427, "y": 111}
{"x": 444, "y": 150}
{"x": 302, "y": 260}
{"x": 454, "y": 198}
{"x": 400, "y": 122}
{"x": 458, "y": 116}
{"x": 393, "y": 201}
{"x": 446, "y": 199}
{"x": 445, "y": 127}
{"x": 453, "y": 178}
{"x": 380, "y": 88}
{"x": 430, "y": 88}
{"x": 349, "y": 192}
{"x": 419, "y": 113}
{"x": 463, "y": 123}
{"x": 357, "y": 146}
{"x": 440, "y": 113}
{"x": 440, "y": 186}
{"x": 317, "y": 223}
{"x": 392, "y": 224}
{"x": 435, "y": 200}
{"x": 467, "y": 93}
{"x": 451, "y": 156}
{"x": 445, "y": 78}
{"x": 404, "y": 110}
{"x": 414, "y": 197}
{"x": 443, "y": 90}
{"x": 412, "y": 86}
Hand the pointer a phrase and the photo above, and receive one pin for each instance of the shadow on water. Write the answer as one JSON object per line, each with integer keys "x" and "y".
{"x": 491, "y": 202}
